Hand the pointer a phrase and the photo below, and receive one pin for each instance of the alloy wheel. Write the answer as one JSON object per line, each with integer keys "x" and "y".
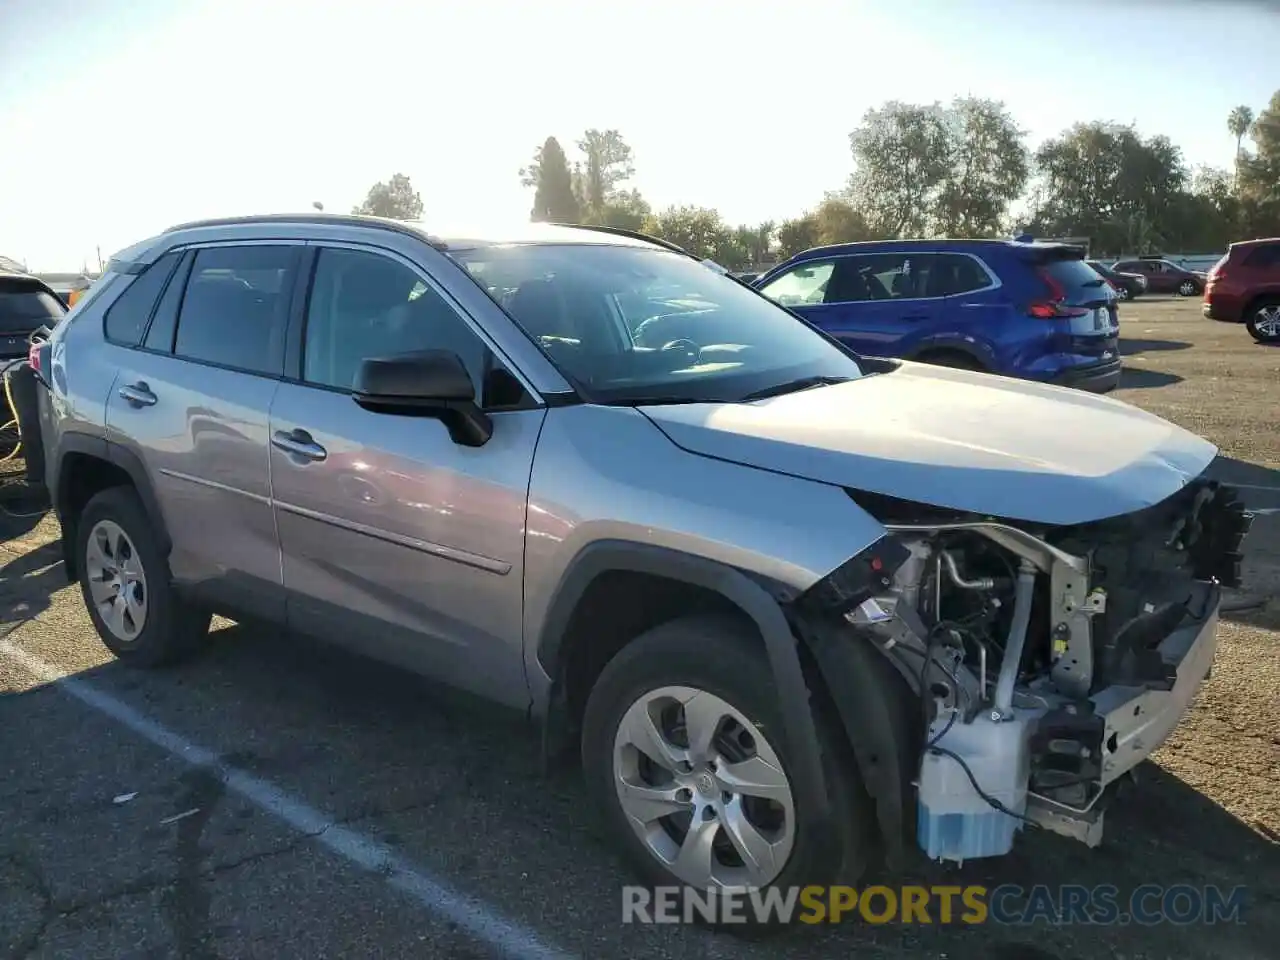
{"x": 1267, "y": 321}
{"x": 703, "y": 789}
{"x": 117, "y": 582}
{"x": 1187, "y": 289}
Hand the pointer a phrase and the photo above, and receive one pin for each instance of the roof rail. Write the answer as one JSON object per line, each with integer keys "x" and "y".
{"x": 632, "y": 234}
{"x": 339, "y": 219}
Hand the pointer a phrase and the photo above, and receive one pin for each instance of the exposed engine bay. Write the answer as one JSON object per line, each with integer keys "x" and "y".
{"x": 1049, "y": 661}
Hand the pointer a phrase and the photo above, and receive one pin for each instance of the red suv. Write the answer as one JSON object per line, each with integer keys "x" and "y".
{"x": 1245, "y": 285}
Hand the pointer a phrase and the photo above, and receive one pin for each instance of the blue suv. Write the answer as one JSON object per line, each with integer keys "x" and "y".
{"x": 1033, "y": 310}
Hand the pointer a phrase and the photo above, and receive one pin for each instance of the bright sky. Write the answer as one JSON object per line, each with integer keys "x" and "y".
{"x": 121, "y": 117}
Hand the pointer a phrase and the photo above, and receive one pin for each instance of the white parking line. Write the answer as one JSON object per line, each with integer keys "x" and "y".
{"x": 506, "y": 937}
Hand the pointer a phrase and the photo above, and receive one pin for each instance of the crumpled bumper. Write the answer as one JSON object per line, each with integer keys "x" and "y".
{"x": 1139, "y": 720}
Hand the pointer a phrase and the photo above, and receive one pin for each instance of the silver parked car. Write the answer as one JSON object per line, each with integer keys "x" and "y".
{"x": 790, "y": 604}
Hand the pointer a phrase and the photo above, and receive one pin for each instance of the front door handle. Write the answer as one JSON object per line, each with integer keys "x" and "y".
{"x": 138, "y": 394}
{"x": 916, "y": 317}
{"x": 299, "y": 443}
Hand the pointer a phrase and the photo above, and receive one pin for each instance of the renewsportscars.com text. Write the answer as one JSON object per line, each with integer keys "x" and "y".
{"x": 1007, "y": 904}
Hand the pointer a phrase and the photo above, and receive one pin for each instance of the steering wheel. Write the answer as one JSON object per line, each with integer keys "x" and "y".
{"x": 691, "y": 349}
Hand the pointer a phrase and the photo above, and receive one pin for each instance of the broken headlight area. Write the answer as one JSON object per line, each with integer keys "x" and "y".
{"x": 1048, "y": 661}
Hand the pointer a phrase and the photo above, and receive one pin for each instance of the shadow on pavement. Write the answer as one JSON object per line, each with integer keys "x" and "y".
{"x": 28, "y": 581}
{"x": 456, "y": 785}
{"x": 1246, "y": 474}
{"x": 1140, "y": 378}
{"x": 1130, "y": 346}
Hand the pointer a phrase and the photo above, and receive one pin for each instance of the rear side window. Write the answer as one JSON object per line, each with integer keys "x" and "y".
{"x": 951, "y": 274}
{"x": 26, "y": 305}
{"x": 127, "y": 317}
{"x": 235, "y": 307}
{"x": 1263, "y": 257}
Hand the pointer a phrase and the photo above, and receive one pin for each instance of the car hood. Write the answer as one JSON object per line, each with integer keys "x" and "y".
{"x": 955, "y": 439}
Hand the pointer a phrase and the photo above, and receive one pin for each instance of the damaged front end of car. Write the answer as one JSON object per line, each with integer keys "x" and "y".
{"x": 1045, "y": 662}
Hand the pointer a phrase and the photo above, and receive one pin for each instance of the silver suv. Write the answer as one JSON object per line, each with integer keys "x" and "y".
{"x": 792, "y": 605}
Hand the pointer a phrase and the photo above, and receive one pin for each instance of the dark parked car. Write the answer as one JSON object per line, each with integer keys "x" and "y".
{"x": 1031, "y": 310}
{"x": 1164, "y": 276}
{"x": 1126, "y": 285}
{"x": 1245, "y": 285}
{"x": 26, "y": 304}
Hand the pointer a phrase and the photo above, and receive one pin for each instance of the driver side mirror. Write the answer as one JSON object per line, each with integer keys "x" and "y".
{"x": 428, "y": 383}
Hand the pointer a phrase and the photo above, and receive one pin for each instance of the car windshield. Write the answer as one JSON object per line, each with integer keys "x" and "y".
{"x": 636, "y": 324}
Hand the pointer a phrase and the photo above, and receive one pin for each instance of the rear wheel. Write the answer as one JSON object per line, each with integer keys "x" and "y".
{"x": 124, "y": 579}
{"x": 683, "y": 749}
{"x": 1123, "y": 293}
{"x": 1263, "y": 321}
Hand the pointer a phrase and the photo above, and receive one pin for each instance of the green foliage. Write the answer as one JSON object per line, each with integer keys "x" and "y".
{"x": 553, "y": 198}
{"x": 395, "y": 199}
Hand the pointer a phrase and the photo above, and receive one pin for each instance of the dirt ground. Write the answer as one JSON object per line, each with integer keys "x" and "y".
{"x": 274, "y": 799}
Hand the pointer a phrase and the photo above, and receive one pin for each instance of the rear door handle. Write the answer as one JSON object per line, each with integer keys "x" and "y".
{"x": 138, "y": 394}
{"x": 299, "y": 444}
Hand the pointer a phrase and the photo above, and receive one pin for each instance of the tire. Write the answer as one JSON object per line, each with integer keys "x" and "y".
{"x": 115, "y": 542}
{"x": 1188, "y": 288}
{"x": 1263, "y": 321}
{"x": 952, "y": 358}
{"x": 1123, "y": 293}
{"x": 720, "y": 664}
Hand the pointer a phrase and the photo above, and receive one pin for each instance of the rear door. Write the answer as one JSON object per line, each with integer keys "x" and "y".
{"x": 26, "y": 304}
{"x": 191, "y": 402}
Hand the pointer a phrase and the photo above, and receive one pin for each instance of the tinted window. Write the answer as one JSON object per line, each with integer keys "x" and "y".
{"x": 804, "y": 284}
{"x": 164, "y": 322}
{"x": 951, "y": 274}
{"x": 1126, "y": 266}
{"x": 367, "y": 305}
{"x": 1265, "y": 256}
{"x": 722, "y": 340}
{"x": 25, "y": 305}
{"x": 127, "y": 317}
{"x": 1078, "y": 280}
{"x": 235, "y": 307}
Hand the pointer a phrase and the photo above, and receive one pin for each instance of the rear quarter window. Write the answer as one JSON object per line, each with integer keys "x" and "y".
{"x": 127, "y": 317}
{"x": 1263, "y": 257}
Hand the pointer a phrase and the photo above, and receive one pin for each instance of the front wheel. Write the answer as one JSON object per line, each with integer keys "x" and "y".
{"x": 1187, "y": 289}
{"x": 1263, "y": 322}
{"x": 1123, "y": 293}
{"x": 124, "y": 578}
{"x": 683, "y": 748}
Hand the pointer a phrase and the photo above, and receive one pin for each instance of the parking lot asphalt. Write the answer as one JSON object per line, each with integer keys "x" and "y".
{"x": 279, "y": 799}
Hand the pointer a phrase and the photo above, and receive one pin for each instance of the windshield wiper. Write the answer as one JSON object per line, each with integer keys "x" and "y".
{"x": 793, "y": 386}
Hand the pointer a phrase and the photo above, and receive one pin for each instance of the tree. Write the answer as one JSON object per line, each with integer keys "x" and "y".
{"x": 922, "y": 169}
{"x": 698, "y": 230}
{"x": 1239, "y": 123}
{"x": 548, "y": 174}
{"x": 988, "y": 170}
{"x": 901, "y": 154}
{"x": 607, "y": 162}
{"x": 395, "y": 199}
{"x": 1104, "y": 181}
{"x": 624, "y": 208}
{"x": 797, "y": 235}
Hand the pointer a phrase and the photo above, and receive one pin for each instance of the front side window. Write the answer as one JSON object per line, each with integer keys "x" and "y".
{"x": 802, "y": 285}
{"x": 637, "y": 324}
{"x": 235, "y": 308}
{"x": 365, "y": 305}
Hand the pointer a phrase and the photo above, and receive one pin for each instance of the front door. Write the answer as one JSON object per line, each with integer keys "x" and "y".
{"x": 395, "y": 539}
